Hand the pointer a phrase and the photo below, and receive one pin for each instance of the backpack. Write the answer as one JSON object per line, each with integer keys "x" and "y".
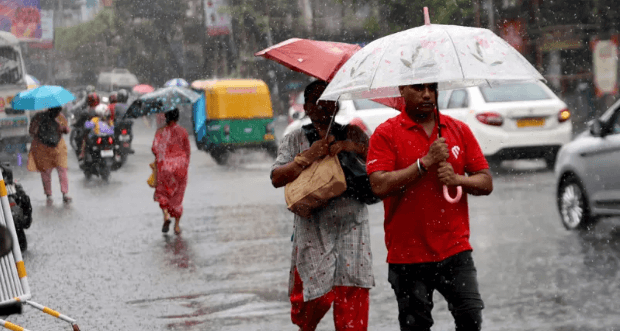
{"x": 49, "y": 131}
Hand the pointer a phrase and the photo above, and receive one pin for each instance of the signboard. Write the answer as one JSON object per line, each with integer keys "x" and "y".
{"x": 47, "y": 30}
{"x": 22, "y": 18}
{"x": 558, "y": 38}
{"x": 605, "y": 62}
{"x": 218, "y": 22}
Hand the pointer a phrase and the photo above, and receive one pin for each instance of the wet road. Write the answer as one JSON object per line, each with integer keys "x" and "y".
{"x": 104, "y": 262}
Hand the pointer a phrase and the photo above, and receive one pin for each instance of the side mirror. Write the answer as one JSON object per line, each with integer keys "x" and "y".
{"x": 596, "y": 128}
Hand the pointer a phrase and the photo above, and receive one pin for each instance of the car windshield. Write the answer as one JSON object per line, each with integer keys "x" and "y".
{"x": 367, "y": 104}
{"x": 10, "y": 72}
{"x": 514, "y": 92}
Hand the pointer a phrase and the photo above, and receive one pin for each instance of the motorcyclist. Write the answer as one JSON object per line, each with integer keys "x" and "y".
{"x": 99, "y": 124}
{"x": 119, "y": 108}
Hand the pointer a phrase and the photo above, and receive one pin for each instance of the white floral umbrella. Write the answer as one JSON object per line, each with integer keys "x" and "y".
{"x": 453, "y": 56}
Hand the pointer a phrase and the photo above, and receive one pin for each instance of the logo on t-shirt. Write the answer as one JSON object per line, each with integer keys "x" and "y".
{"x": 455, "y": 151}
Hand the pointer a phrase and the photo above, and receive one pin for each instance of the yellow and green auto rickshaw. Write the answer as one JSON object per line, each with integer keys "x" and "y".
{"x": 233, "y": 114}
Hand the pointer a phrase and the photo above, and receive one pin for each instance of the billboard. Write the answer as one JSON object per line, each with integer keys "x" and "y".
{"x": 47, "y": 30}
{"x": 22, "y": 18}
{"x": 218, "y": 22}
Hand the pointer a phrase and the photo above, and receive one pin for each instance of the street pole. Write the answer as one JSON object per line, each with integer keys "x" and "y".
{"x": 203, "y": 39}
{"x": 491, "y": 8}
{"x": 477, "y": 12}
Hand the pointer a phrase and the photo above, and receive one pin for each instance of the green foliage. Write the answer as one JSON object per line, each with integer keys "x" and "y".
{"x": 404, "y": 14}
{"x": 371, "y": 25}
{"x": 158, "y": 10}
{"x": 102, "y": 27}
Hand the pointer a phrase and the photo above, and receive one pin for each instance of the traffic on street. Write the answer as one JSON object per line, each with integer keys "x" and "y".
{"x": 104, "y": 261}
{"x": 310, "y": 165}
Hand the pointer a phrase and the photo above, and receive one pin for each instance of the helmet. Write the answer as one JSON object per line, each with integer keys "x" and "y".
{"x": 90, "y": 89}
{"x": 102, "y": 111}
{"x": 113, "y": 98}
{"x": 122, "y": 96}
{"x": 92, "y": 99}
{"x": 105, "y": 100}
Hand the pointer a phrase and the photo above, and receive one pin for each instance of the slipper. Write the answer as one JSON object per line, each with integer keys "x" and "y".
{"x": 166, "y": 226}
{"x": 177, "y": 230}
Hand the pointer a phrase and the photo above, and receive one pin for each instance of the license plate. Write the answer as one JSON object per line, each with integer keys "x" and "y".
{"x": 530, "y": 122}
{"x": 124, "y": 138}
{"x": 107, "y": 153}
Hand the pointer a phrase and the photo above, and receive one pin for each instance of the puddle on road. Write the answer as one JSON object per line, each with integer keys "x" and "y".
{"x": 191, "y": 310}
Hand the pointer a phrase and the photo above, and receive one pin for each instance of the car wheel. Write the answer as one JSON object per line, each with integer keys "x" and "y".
{"x": 272, "y": 150}
{"x": 220, "y": 156}
{"x": 573, "y": 206}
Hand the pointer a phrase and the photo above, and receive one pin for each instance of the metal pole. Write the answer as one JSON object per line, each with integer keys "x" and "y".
{"x": 203, "y": 39}
{"x": 477, "y": 12}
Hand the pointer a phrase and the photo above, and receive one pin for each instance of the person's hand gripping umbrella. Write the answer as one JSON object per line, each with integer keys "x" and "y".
{"x": 451, "y": 56}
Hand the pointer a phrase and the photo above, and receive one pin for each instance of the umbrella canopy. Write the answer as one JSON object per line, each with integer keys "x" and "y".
{"x": 319, "y": 59}
{"x": 42, "y": 97}
{"x": 143, "y": 88}
{"x": 162, "y": 100}
{"x": 177, "y": 82}
{"x": 32, "y": 82}
{"x": 453, "y": 56}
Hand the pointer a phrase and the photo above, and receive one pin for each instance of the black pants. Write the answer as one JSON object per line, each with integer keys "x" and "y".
{"x": 454, "y": 278}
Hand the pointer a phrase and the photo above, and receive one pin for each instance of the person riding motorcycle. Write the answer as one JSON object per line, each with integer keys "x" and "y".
{"x": 119, "y": 106}
{"x": 92, "y": 100}
{"x": 99, "y": 124}
{"x": 118, "y": 110}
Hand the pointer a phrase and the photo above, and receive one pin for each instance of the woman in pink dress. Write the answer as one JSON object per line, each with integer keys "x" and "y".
{"x": 172, "y": 150}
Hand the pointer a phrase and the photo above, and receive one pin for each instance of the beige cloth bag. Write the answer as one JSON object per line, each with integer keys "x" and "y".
{"x": 315, "y": 186}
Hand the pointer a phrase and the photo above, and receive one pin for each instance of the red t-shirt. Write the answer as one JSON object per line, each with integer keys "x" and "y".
{"x": 424, "y": 226}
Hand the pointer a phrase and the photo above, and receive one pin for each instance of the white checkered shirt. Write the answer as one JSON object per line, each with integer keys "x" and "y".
{"x": 332, "y": 247}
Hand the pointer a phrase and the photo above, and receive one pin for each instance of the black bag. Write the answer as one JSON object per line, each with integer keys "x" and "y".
{"x": 49, "y": 130}
{"x": 358, "y": 183}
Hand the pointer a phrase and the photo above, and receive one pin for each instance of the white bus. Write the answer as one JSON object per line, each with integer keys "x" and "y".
{"x": 13, "y": 123}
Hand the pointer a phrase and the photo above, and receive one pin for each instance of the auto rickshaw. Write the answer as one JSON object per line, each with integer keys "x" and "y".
{"x": 233, "y": 114}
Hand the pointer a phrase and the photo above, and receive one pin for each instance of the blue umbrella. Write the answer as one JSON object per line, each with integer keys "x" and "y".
{"x": 161, "y": 100}
{"x": 42, "y": 97}
{"x": 177, "y": 82}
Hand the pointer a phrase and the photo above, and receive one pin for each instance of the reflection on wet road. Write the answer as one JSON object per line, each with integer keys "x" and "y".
{"x": 104, "y": 261}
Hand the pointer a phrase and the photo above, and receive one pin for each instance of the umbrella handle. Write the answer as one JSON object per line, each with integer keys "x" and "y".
{"x": 446, "y": 194}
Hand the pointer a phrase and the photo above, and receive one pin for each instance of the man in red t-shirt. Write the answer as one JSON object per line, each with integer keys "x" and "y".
{"x": 426, "y": 236}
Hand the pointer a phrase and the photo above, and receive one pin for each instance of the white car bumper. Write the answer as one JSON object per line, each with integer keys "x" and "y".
{"x": 494, "y": 140}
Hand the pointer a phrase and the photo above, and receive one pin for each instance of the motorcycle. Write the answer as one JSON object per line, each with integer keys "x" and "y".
{"x": 99, "y": 156}
{"x": 123, "y": 136}
{"x": 77, "y": 132}
{"x": 19, "y": 201}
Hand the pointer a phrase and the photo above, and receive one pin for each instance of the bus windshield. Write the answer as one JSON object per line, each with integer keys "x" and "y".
{"x": 10, "y": 66}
